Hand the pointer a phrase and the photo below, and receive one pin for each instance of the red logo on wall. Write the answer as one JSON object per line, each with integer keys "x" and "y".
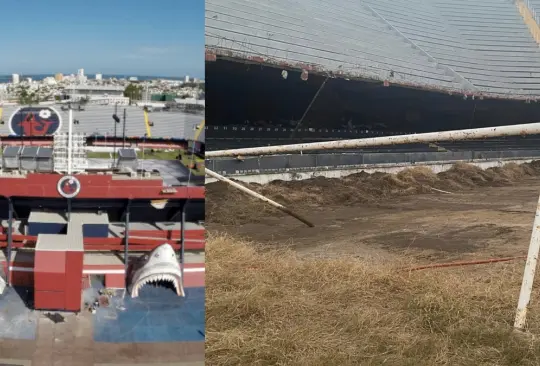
{"x": 69, "y": 186}
{"x": 35, "y": 121}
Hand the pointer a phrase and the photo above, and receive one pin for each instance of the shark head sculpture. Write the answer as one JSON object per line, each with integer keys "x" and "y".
{"x": 160, "y": 266}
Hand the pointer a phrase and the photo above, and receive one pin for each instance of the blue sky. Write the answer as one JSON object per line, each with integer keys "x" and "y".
{"x": 139, "y": 37}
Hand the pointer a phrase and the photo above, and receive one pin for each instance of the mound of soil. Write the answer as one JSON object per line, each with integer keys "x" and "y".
{"x": 228, "y": 206}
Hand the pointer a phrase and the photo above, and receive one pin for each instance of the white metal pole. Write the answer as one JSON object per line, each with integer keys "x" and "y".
{"x": 70, "y": 133}
{"x": 470, "y": 134}
{"x": 528, "y": 275}
{"x": 257, "y": 195}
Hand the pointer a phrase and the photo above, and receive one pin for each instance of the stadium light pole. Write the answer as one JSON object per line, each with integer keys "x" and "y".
{"x": 124, "y": 130}
{"x": 144, "y": 143}
{"x": 70, "y": 139}
{"x": 116, "y": 120}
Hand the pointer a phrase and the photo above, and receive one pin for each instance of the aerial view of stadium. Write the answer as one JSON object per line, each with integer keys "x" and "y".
{"x": 116, "y": 205}
{"x": 416, "y": 249}
{"x": 102, "y": 197}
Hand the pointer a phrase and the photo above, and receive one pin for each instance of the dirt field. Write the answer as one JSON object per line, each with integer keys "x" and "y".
{"x": 333, "y": 294}
{"x": 488, "y": 213}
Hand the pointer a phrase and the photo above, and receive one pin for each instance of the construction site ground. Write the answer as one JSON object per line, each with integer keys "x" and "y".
{"x": 471, "y": 221}
{"x": 436, "y": 226}
{"x": 342, "y": 293}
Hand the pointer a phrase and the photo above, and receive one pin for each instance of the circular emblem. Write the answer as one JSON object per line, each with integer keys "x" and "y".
{"x": 69, "y": 186}
{"x": 35, "y": 121}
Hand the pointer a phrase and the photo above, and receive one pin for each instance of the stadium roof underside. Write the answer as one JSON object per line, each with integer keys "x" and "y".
{"x": 478, "y": 48}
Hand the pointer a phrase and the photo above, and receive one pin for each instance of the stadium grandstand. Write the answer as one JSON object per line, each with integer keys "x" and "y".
{"x": 284, "y": 71}
{"x": 97, "y": 120}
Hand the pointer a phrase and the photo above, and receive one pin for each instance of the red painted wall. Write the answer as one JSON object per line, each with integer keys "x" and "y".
{"x": 94, "y": 186}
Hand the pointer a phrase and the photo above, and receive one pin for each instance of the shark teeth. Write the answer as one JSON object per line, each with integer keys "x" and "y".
{"x": 157, "y": 267}
{"x": 156, "y": 279}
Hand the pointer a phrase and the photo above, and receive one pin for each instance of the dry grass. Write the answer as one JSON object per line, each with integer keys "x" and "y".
{"x": 228, "y": 206}
{"x": 275, "y": 308}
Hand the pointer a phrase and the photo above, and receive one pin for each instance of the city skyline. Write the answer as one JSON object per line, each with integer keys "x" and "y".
{"x": 92, "y": 75}
{"x": 111, "y": 38}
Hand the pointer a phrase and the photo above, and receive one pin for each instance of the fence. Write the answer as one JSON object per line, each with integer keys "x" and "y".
{"x": 297, "y": 162}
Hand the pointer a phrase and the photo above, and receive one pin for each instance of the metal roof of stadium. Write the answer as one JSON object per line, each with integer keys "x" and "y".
{"x": 480, "y": 47}
{"x": 97, "y": 120}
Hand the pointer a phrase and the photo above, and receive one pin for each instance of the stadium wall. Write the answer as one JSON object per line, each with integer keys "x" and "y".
{"x": 259, "y": 96}
{"x": 435, "y": 166}
{"x": 291, "y": 167}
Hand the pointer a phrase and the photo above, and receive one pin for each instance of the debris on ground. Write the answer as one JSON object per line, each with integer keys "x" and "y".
{"x": 55, "y": 317}
{"x": 102, "y": 299}
{"x": 228, "y": 206}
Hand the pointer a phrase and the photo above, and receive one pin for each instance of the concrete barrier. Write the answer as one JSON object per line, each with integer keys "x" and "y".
{"x": 392, "y": 168}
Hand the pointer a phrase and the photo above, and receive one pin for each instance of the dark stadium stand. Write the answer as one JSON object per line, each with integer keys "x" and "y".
{"x": 481, "y": 47}
{"x": 499, "y": 144}
{"x": 385, "y": 66}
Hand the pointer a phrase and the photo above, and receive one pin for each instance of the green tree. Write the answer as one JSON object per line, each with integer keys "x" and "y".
{"x": 133, "y": 92}
{"x": 27, "y": 97}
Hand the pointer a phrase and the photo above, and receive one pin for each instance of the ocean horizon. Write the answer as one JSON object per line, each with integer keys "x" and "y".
{"x": 39, "y": 77}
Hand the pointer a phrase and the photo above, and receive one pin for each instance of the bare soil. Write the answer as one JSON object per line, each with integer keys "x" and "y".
{"x": 487, "y": 213}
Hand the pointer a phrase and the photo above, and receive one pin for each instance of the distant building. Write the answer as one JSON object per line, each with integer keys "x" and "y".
{"x": 49, "y": 80}
{"x": 108, "y": 100}
{"x": 133, "y": 78}
{"x": 186, "y": 79}
{"x": 97, "y": 94}
{"x": 80, "y": 76}
{"x": 190, "y": 101}
{"x": 15, "y": 78}
{"x": 29, "y": 80}
{"x": 99, "y": 77}
{"x": 58, "y": 77}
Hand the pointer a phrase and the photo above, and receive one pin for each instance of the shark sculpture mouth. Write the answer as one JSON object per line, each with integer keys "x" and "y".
{"x": 160, "y": 267}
